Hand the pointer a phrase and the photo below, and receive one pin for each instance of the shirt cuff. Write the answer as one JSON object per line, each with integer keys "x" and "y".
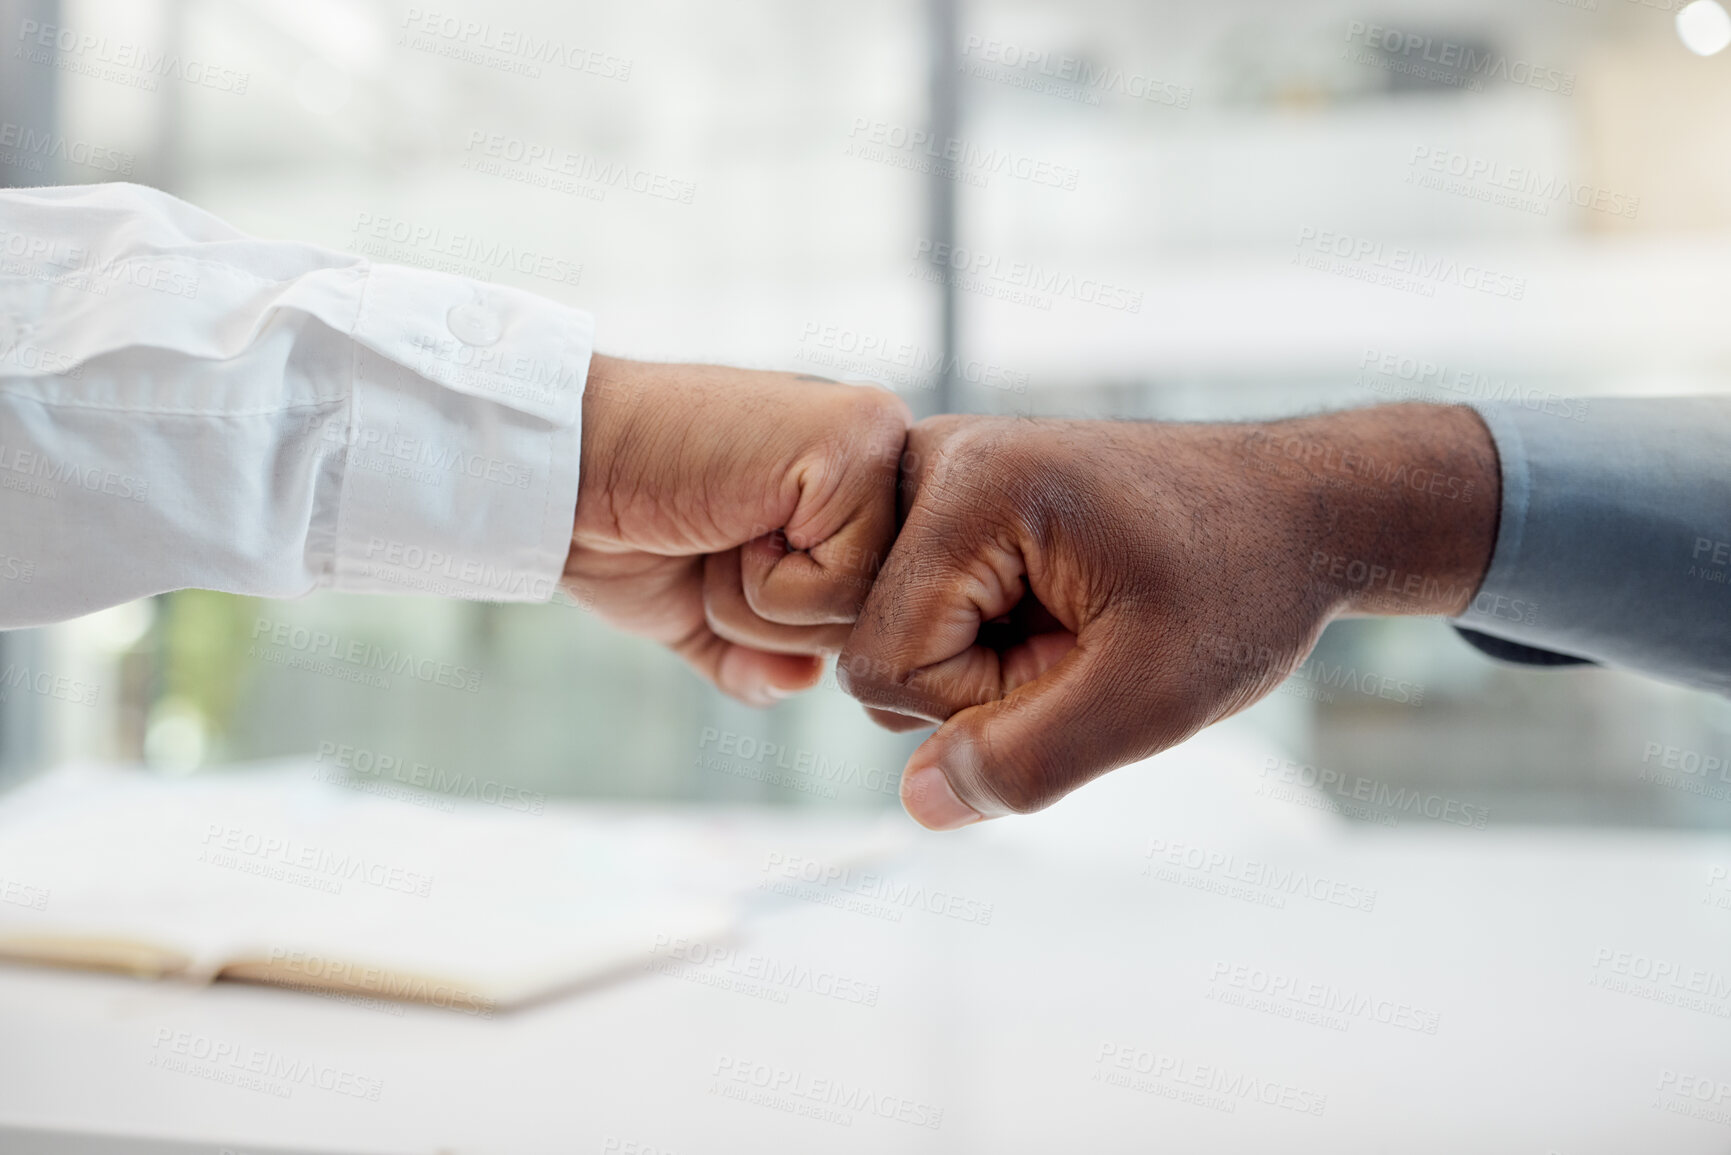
{"x": 1610, "y": 524}
{"x": 459, "y": 451}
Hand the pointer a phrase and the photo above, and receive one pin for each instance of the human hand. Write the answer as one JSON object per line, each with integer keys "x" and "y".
{"x": 1067, "y": 597}
{"x": 736, "y": 516}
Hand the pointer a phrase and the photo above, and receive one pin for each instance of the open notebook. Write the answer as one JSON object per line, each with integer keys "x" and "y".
{"x": 275, "y": 874}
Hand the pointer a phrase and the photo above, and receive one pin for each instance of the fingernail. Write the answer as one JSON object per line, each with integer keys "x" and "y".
{"x": 778, "y": 694}
{"x": 932, "y": 802}
{"x": 757, "y": 697}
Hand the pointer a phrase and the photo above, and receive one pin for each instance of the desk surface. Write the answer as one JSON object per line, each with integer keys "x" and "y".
{"x": 1175, "y": 959}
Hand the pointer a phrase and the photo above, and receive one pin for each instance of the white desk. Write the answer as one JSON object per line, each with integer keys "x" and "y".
{"x": 1500, "y": 935}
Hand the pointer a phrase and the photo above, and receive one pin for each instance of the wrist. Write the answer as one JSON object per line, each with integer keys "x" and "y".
{"x": 610, "y": 397}
{"x": 1399, "y": 505}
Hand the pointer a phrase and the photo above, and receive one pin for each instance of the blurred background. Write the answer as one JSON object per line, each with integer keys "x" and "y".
{"x": 1095, "y": 208}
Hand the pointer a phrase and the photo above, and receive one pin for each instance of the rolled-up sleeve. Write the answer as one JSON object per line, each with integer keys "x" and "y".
{"x": 1614, "y": 543}
{"x": 182, "y": 405}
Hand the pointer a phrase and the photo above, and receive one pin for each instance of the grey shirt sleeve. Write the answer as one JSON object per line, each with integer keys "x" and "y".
{"x": 1614, "y": 543}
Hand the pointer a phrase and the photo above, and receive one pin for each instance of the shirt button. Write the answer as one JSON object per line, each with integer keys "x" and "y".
{"x": 12, "y": 331}
{"x": 473, "y": 324}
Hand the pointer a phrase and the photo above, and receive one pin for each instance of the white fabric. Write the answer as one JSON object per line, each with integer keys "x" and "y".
{"x": 182, "y": 405}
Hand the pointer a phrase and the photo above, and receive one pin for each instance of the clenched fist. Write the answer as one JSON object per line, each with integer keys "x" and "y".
{"x": 1066, "y": 597}
{"x": 738, "y": 517}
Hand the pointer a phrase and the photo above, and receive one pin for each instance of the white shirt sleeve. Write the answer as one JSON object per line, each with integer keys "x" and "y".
{"x": 182, "y": 405}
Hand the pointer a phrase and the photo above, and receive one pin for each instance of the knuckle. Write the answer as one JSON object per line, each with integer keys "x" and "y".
{"x": 934, "y": 431}
{"x": 849, "y": 572}
{"x": 979, "y": 466}
{"x": 810, "y": 596}
{"x": 869, "y": 679}
{"x": 930, "y": 441}
{"x": 874, "y": 425}
{"x": 910, "y": 571}
{"x": 883, "y": 685}
{"x": 1021, "y": 781}
{"x": 883, "y": 407}
{"x": 1023, "y": 789}
{"x": 726, "y": 622}
{"x": 715, "y": 614}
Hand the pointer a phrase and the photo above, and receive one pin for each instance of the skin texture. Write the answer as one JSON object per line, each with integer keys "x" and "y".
{"x": 1068, "y": 597}
{"x": 738, "y": 517}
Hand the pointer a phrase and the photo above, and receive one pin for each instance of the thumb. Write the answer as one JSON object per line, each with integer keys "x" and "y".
{"x": 1101, "y": 706}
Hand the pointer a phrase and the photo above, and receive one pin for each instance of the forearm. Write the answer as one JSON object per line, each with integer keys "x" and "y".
{"x": 1396, "y": 506}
